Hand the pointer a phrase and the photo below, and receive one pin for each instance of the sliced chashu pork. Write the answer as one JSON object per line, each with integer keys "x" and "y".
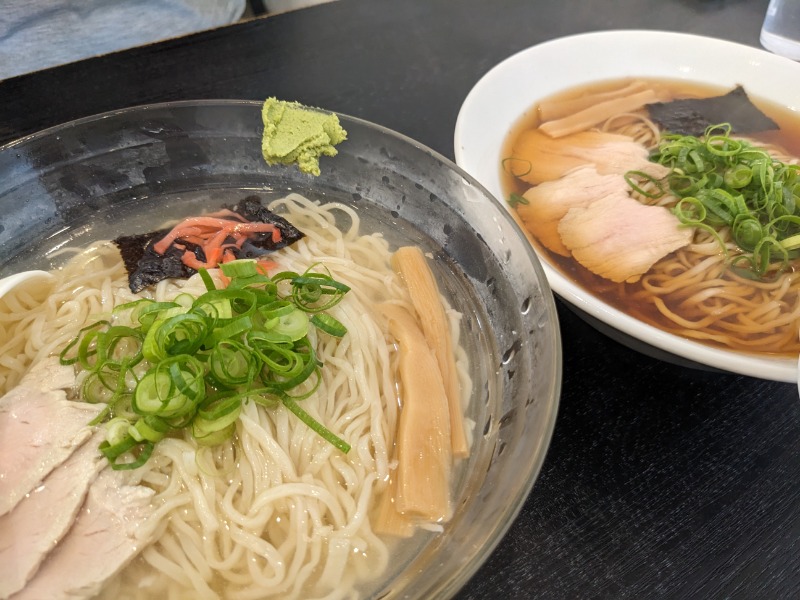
{"x": 550, "y": 201}
{"x": 35, "y": 525}
{"x": 537, "y": 157}
{"x": 113, "y": 526}
{"x": 39, "y": 429}
{"x": 619, "y": 238}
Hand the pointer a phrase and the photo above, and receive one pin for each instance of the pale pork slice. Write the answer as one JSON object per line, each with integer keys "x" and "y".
{"x": 39, "y": 430}
{"x": 30, "y": 531}
{"x": 536, "y": 157}
{"x": 619, "y": 238}
{"x": 113, "y": 526}
{"x": 49, "y": 374}
{"x": 550, "y": 201}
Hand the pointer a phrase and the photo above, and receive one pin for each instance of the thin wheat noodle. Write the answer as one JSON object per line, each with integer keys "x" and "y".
{"x": 276, "y": 512}
{"x": 693, "y": 292}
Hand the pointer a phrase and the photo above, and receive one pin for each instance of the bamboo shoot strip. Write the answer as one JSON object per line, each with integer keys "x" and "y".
{"x": 388, "y": 521}
{"x": 556, "y": 108}
{"x": 411, "y": 265}
{"x": 589, "y": 117}
{"x": 424, "y": 454}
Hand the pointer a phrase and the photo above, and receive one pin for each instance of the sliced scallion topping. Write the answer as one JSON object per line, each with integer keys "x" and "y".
{"x": 329, "y": 325}
{"x": 722, "y": 182}
{"x": 515, "y": 200}
{"x": 518, "y": 167}
{"x": 164, "y": 366}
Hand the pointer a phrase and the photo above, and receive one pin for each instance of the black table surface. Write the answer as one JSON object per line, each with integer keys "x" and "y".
{"x": 660, "y": 481}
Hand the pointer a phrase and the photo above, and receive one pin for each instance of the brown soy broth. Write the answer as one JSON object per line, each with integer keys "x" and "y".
{"x": 622, "y": 295}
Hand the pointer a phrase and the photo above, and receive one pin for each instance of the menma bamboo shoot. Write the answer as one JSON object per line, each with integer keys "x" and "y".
{"x": 412, "y": 266}
{"x": 424, "y": 453}
{"x": 389, "y": 520}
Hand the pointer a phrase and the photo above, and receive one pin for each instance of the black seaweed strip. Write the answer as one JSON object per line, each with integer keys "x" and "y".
{"x": 692, "y": 116}
{"x": 146, "y": 267}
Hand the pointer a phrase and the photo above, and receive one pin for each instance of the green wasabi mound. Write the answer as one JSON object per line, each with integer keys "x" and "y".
{"x": 295, "y": 134}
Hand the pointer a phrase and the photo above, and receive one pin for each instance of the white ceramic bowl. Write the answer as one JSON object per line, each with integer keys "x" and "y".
{"x": 511, "y": 88}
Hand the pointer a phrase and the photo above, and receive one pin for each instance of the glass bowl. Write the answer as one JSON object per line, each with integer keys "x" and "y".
{"x": 505, "y": 94}
{"x": 117, "y": 173}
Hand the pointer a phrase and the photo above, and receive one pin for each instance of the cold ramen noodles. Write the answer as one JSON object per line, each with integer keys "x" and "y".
{"x": 676, "y": 203}
{"x": 256, "y": 402}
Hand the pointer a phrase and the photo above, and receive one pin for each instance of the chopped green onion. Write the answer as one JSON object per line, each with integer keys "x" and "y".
{"x": 232, "y": 363}
{"x": 164, "y": 366}
{"x": 240, "y": 268}
{"x": 722, "y": 182}
{"x": 208, "y": 281}
{"x": 316, "y": 292}
{"x": 151, "y": 428}
{"x": 517, "y": 167}
{"x": 315, "y": 425}
{"x": 515, "y": 200}
{"x": 329, "y": 325}
{"x": 64, "y": 359}
{"x": 633, "y": 177}
{"x": 128, "y": 446}
{"x": 292, "y": 325}
{"x": 181, "y": 334}
{"x": 117, "y": 430}
{"x": 211, "y": 437}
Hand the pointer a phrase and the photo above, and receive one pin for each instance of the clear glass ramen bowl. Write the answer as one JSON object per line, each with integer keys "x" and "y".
{"x": 123, "y": 171}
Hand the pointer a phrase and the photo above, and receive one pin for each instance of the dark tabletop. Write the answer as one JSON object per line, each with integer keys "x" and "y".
{"x": 661, "y": 481}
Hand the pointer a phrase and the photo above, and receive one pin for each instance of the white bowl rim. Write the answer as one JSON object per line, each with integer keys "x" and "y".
{"x": 499, "y": 99}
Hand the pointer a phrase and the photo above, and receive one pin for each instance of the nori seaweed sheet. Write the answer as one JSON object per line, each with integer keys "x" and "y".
{"x": 692, "y": 116}
{"x": 146, "y": 267}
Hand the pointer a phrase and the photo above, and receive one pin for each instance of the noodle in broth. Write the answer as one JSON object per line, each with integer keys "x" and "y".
{"x": 692, "y": 292}
{"x": 275, "y": 512}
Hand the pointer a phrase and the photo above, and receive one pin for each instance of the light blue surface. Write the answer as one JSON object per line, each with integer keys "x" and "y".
{"x": 35, "y": 34}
